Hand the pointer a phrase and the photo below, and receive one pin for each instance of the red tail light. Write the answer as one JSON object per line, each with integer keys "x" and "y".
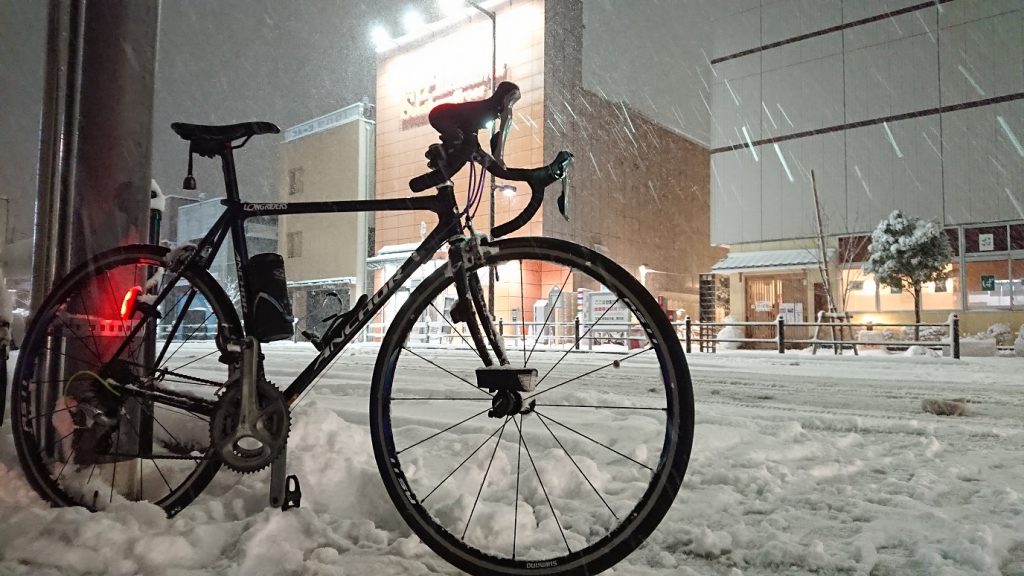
{"x": 128, "y": 304}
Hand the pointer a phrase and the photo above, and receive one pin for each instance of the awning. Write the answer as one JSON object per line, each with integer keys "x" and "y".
{"x": 394, "y": 254}
{"x": 767, "y": 260}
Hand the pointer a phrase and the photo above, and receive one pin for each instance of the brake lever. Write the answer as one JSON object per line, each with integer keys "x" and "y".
{"x": 561, "y": 171}
{"x": 563, "y": 198}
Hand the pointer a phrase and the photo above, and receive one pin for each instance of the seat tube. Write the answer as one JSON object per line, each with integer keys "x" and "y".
{"x": 227, "y": 160}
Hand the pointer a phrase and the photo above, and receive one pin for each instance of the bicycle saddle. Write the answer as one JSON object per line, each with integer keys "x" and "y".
{"x": 226, "y": 133}
{"x": 453, "y": 121}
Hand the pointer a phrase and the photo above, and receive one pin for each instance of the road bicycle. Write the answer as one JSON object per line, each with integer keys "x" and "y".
{"x": 505, "y": 454}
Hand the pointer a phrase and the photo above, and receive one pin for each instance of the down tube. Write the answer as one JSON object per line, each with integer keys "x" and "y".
{"x": 336, "y": 341}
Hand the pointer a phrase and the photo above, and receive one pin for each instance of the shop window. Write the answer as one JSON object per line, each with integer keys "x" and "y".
{"x": 1017, "y": 284}
{"x": 865, "y": 294}
{"x": 988, "y": 284}
{"x": 943, "y": 295}
{"x": 857, "y": 290}
{"x": 895, "y": 299}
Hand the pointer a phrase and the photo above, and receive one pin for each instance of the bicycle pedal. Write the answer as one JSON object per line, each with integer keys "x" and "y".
{"x": 292, "y": 493}
{"x": 314, "y": 339}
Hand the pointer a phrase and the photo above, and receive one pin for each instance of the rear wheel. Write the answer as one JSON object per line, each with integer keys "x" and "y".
{"x": 568, "y": 478}
{"x": 99, "y": 420}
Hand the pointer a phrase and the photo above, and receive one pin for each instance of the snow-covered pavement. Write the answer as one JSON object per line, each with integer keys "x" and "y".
{"x": 800, "y": 465}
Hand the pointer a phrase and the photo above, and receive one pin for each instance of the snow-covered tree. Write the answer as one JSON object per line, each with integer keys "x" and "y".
{"x": 907, "y": 253}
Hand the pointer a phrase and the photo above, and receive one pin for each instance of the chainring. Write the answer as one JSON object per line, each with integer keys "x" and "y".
{"x": 274, "y": 422}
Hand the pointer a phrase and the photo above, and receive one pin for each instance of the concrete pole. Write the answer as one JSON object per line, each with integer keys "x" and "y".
{"x": 96, "y": 133}
{"x": 95, "y": 151}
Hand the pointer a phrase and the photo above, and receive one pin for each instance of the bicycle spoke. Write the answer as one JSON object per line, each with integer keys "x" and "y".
{"x": 461, "y": 464}
{"x": 50, "y": 413}
{"x": 74, "y": 447}
{"x": 193, "y": 361}
{"x": 175, "y": 325}
{"x": 447, "y": 371}
{"x": 548, "y": 318}
{"x": 585, "y": 374}
{"x": 95, "y": 343}
{"x": 543, "y": 489}
{"x": 484, "y": 480}
{"x": 153, "y": 416}
{"x": 190, "y": 335}
{"x": 582, "y": 336}
{"x": 151, "y": 459}
{"x": 397, "y": 452}
{"x": 582, "y": 473}
{"x": 429, "y": 399}
{"x": 606, "y": 407}
{"x": 61, "y": 439}
{"x": 456, "y": 331}
{"x": 85, "y": 345}
{"x": 574, "y": 431}
{"x": 113, "y": 475}
{"x": 519, "y": 460}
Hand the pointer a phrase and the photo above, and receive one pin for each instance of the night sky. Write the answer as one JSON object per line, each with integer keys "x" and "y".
{"x": 220, "y": 61}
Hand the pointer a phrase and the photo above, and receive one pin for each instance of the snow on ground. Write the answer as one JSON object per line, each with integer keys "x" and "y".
{"x": 801, "y": 464}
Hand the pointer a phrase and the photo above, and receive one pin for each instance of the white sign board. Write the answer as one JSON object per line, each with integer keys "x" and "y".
{"x": 986, "y": 243}
{"x": 762, "y": 306}
{"x": 792, "y": 312}
{"x": 604, "y": 308}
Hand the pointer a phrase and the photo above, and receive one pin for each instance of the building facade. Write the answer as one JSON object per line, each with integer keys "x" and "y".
{"x": 639, "y": 191}
{"x": 892, "y": 105}
{"x": 324, "y": 159}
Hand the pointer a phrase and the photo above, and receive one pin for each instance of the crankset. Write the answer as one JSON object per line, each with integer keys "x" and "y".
{"x": 250, "y": 422}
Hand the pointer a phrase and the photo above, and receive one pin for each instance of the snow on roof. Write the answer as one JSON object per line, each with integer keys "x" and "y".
{"x": 739, "y": 261}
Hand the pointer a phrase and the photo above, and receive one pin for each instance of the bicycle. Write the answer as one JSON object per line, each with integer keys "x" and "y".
{"x": 115, "y": 400}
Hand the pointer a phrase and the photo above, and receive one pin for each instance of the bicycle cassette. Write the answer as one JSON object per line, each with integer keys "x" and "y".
{"x": 250, "y": 453}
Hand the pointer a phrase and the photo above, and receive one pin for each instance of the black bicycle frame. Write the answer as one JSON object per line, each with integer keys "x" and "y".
{"x": 237, "y": 212}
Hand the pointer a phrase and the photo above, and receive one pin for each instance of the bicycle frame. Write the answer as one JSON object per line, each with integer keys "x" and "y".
{"x": 236, "y": 213}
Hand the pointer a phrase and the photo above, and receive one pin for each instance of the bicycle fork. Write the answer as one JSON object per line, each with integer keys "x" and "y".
{"x": 497, "y": 376}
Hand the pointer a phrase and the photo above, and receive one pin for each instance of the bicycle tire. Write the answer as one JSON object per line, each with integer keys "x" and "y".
{"x": 437, "y": 524}
{"x": 72, "y": 320}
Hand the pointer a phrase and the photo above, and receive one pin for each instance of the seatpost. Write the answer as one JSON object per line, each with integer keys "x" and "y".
{"x": 227, "y": 160}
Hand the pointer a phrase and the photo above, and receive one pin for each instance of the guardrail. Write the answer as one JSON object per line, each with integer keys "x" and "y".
{"x": 580, "y": 335}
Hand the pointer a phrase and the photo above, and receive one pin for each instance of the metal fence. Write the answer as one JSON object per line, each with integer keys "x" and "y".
{"x": 581, "y": 335}
{"x": 780, "y": 341}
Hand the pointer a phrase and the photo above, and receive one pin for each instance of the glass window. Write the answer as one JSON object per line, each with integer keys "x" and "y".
{"x": 988, "y": 284}
{"x": 985, "y": 239}
{"x": 895, "y": 299}
{"x": 943, "y": 295}
{"x": 953, "y": 235}
{"x": 857, "y": 290}
{"x": 1017, "y": 284}
{"x": 853, "y": 249}
{"x": 1017, "y": 237}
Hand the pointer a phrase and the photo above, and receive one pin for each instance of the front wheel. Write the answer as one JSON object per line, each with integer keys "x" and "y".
{"x": 562, "y": 470}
